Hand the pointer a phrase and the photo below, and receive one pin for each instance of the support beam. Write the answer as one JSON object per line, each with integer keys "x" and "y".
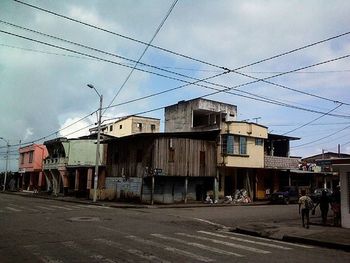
{"x": 186, "y": 189}
{"x": 152, "y": 190}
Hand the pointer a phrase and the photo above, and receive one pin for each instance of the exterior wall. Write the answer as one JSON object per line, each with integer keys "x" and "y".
{"x": 39, "y": 154}
{"x": 276, "y": 162}
{"x": 83, "y": 153}
{"x": 254, "y": 158}
{"x": 155, "y": 155}
{"x": 179, "y": 117}
{"x": 344, "y": 170}
{"x": 130, "y": 125}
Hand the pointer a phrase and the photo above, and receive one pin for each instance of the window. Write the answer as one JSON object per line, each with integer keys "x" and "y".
{"x": 22, "y": 158}
{"x": 120, "y": 127}
{"x": 153, "y": 127}
{"x": 30, "y": 156}
{"x": 202, "y": 158}
{"x": 111, "y": 128}
{"x": 139, "y": 125}
{"x": 259, "y": 141}
{"x": 139, "y": 155}
{"x": 171, "y": 155}
{"x": 232, "y": 144}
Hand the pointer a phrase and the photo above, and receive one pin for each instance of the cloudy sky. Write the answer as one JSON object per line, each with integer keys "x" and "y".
{"x": 43, "y": 79}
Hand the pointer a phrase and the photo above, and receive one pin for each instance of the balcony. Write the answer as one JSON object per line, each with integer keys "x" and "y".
{"x": 55, "y": 163}
{"x": 276, "y": 162}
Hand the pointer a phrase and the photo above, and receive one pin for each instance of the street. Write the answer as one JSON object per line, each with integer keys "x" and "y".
{"x": 40, "y": 230}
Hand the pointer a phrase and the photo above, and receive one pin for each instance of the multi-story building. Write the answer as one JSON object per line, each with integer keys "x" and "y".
{"x": 130, "y": 125}
{"x": 31, "y": 167}
{"x": 70, "y": 164}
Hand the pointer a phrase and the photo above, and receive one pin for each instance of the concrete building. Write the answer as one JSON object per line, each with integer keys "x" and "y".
{"x": 198, "y": 115}
{"x": 69, "y": 167}
{"x": 129, "y": 125}
{"x": 31, "y": 167}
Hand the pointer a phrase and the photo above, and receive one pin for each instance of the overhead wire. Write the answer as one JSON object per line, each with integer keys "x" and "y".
{"x": 313, "y": 120}
{"x": 226, "y": 90}
{"x": 143, "y": 52}
{"x": 265, "y": 80}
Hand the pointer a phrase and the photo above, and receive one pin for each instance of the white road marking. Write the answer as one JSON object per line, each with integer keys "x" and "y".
{"x": 25, "y": 208}
{"x": 245, "y": 240}
{"x": 86, "y": 252}
{"x": 132, "y": 251}
{"x": 212, "y": 249}
{"x": 13, "y": 209}
{"x": 94, "y": 206}
{"x": 45, "y": 208}
{"x": 171, "y": 249}
{"x": 61, "y": 207}
{"x": 35, "y": 250}
{"x": 209, "y": 222}
{"x": 251, "y": 249}
{"x": 270, "y": 240}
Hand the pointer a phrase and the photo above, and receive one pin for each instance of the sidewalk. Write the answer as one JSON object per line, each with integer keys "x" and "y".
{"x": 292, "y": 231}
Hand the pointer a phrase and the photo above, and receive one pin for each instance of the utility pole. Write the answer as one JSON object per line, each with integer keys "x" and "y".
{"x": 7, "y": 160}
{"x": 97, "y": 144}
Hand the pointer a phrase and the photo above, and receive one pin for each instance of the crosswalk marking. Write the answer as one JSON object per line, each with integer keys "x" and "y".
{"x": 251, "y": 249}
{"x": 212, "y": 249}
{"x": 172, "y": 249}
{"x": 13, "y": 209}
{"x": 25, "y": 208}
{"x": 245, "y": 240}
{"x": 36, "y": 251}
{"x": 45, "y": 208}
{"x": 132, "y": 251}
{"x": 86, "y": 252}
{"x": 95, "y": 206}
{"x": 271, "y": 240}
{"x": 61, "y": 207}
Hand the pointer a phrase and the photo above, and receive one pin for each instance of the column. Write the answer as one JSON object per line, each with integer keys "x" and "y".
{"x": 186, "y": 189}
{"x": 152, "y": 190}
{"x": 216, "y": 187}
{"x": 77, "y": 178}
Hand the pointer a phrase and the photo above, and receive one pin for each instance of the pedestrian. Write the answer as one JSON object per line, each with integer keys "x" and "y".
{"x": 336, "y": 206}
{"x": 305, "y": 205}
{"x": 324, "y": 206}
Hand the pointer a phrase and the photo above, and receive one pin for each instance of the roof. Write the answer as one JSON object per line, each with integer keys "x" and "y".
{"x": 197, "y": 99}
{"x": 281, "y": 137}
{"x": 327, "y": 156}
{"x": 203, "y": 135}
{"x": 333, "y": 161}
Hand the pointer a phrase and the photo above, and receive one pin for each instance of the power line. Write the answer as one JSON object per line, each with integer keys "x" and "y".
{"x": 143, "y": 53}
{"x": 176, "y": 53}
{"x": 322, "y": 138}
{"x": 196, "y": 82}
{"x": 327, "y": 113}
{"x": 265, "y": 80}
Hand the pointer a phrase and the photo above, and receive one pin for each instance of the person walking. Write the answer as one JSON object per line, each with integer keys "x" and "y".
{"x": 336, "y": 206}
{"x": 324, "y": 206}
{"x": 305, "y": 205}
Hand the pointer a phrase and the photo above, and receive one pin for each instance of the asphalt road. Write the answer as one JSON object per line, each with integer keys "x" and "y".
{"x": 38, "y": 230}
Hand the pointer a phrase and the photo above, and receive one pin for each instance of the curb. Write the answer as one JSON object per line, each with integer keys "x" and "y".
{"x": 116, "y": 205}
{"x": 316, "y": 242}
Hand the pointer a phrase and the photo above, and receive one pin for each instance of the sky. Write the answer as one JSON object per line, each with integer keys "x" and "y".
{"x": 43, "y": 80}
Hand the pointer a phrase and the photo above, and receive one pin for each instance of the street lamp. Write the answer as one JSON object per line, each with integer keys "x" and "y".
{"x": 7, "y": 159}
{"x": 98, "y": 143}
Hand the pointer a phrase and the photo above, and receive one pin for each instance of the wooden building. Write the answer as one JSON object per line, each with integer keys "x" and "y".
{"x": 162, "y": 167}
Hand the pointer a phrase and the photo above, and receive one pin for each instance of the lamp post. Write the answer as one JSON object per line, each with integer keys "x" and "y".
{"x": 98, "y": 143}
{"x": 7, "y": 160}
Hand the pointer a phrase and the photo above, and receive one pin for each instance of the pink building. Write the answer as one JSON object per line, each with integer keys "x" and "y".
{"x": 31, "y": 166}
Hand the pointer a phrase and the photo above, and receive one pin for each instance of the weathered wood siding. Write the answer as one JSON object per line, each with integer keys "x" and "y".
{"x": 123, "y": 157}
{"x": 186, "y": 157}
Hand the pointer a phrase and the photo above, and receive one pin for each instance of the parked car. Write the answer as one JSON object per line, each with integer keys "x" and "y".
{"x": 315, "y": 196}
{"x": 286, "y": 195}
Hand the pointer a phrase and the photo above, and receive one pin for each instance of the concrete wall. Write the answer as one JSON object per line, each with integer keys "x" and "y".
{"x": 131, "y": 125}
{"x": 83, "y": 153}
{"x": 344, "y": 171}
{"x": 39, "y": 153}
{"x": 179, "y": 117}
{"x": 255, "y": 153}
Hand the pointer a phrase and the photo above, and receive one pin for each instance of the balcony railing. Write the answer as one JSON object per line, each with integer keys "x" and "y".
{"x": 276, "y": 162}
{"x": 51, "y": 163}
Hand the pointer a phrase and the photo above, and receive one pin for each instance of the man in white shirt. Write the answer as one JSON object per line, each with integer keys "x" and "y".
{"x": 305, "y": 204}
